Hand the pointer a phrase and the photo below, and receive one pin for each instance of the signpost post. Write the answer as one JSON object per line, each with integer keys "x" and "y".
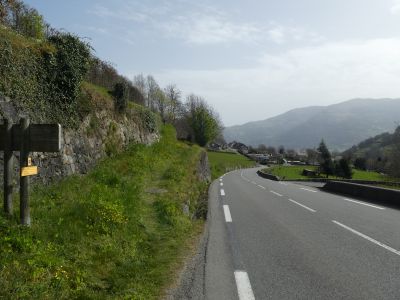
{"x": 25, "y": 138}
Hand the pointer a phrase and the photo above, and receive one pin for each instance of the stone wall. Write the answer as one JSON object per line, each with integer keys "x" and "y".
{"x": 100, "y": 133}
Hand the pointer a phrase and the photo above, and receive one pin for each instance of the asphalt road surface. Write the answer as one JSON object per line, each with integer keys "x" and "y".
{"x": 275, "y": 240}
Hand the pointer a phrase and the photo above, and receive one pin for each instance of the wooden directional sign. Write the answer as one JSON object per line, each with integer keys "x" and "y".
{"x": 41, "y": 137}
{"x": 29, "y": 171}
{"x": 25, "y": 137}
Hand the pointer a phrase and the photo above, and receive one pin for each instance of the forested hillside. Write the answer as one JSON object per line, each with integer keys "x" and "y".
{"x": 380, "y": 153}
{"x": 340, "y": 125}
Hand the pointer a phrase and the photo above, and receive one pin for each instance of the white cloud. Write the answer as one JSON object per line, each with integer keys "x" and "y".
{"x": 395, "y": 9}
{"x": 317, "y": 75}
{"x": 201, "y": 25}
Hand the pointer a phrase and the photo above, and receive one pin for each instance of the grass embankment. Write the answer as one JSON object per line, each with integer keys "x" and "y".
{"x": 222, "y": 162}
{"x": 295, "y": 172}
{"x": 117, "y": 233}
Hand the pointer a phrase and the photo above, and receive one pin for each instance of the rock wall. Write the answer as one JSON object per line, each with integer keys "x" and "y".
{"x": 101, "y": 133}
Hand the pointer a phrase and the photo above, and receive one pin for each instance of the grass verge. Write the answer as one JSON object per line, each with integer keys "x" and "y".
{"x": 119, "y": 232}
{"x": 222, "y": 162}
{"x": 295, "y": 172}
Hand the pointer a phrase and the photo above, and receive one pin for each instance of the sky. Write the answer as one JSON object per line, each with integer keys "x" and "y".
{"x": 251, "y": 59}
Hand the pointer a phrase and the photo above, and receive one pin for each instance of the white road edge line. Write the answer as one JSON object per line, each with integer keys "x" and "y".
{"x": 276, "y": 193}
{"x": 245, "y": 291}
{"x": 222, "y": 192}
{"x": 221, "y": 184}
{"x": 227, "y": 213}
{"x": 362, "y": 203}
{"x": 367, "y": 238}
{"x": 302, "y": 205}
{"x": 309, "y": 190}
{"x": 261, "y": 186}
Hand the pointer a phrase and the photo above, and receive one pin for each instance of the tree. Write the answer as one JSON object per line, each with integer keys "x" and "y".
{"x": 281, "y": 150}
{"x": 120, "y": 94}
{"x": 360, "y": 163}
{"x": 262, "y": 148}
{"x": 204, "y": 122}
{"x": 394, "y": 156}
{"x": 312, "y": 156}
{"x": 343, "y": 169}
{"x": 271, "y": 150}
{"x": 326, "y": 164}
{"x": 173, "y": 95}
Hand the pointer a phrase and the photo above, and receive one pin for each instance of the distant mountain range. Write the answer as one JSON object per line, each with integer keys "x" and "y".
{"x": 340, "y": 125}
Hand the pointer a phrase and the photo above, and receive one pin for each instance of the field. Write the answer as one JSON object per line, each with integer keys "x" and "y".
{"x": 222, "y": 162}
{"x": 119, "y": 232}
{"x": 294, "y": 172}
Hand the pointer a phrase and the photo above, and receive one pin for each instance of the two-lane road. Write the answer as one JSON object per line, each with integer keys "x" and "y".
{"x": 273, "y": 240}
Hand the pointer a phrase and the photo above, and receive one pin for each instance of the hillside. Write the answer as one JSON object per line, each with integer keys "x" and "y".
{"x": 341, "y": 125}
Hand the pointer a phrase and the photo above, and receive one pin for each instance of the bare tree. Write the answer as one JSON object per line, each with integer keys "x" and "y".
{"x": 173, "y": 95}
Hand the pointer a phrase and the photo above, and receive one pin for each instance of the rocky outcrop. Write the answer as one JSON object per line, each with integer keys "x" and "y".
{"x": 101, "y": 133}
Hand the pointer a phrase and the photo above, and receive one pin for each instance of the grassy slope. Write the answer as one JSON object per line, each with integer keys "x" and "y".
{"x": 104, "y": 235}
{"x": 294, "y": 172}
{"x": 221, "y": 162}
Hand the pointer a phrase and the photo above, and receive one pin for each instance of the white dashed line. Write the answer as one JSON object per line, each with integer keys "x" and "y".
{"x": 362, "y": 203}
{"x": 309, "y": 190}
{"x": 222, "y": 192}
{"x": 227, "y": 213}
{"x": 276, "y": 193}
{"x": 302, "y": 205}
{"x": 280, "y": 182}
{"x": 221, "y": 184}
{"x": 261, "y": 186}
{"x": 253, "y": 182}
{"x": 368, "y": 238}
{"x": 245, "y": 291}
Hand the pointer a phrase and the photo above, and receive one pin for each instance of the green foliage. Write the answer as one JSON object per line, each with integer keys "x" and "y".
{"x": 106, "y": 235}
{"x": 295, "y": 172}
{"x": 326, "y": 165}
{"x": 121, "y": 95}
{"x": 343, "y": 169}
{"x": 43, "y": 78}
{"x": 204, "y": 125}
{"x": 149, "y": 120}
{"x": 222, "y": 162}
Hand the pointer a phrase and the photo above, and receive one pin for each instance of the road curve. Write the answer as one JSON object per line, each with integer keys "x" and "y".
{"x": 273, "y": 240}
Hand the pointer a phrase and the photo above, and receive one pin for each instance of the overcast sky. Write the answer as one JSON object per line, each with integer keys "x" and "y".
{"x": 249, "y": 59}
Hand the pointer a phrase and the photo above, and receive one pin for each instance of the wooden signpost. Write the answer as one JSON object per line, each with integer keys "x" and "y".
{"x": 25, "y": 138}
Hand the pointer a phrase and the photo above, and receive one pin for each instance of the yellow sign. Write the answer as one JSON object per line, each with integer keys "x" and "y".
{"x": 28, "y": 171}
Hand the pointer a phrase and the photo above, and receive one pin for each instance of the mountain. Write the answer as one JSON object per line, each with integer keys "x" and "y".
{"x": 340, "y": 125}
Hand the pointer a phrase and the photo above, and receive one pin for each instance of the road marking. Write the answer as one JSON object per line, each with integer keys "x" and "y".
{"x": 243, "y": 285}
{"x": 280, "y": 182}
{"x": 261, "y": 186}
{"x": 367, "y": 238}
{"x": 241, "y": 175}
{"x": 276, "y": 193}
{"x": 253, "y": 182}
{"x": 221, "y": 184}
{"x": 220, "y": 179}
{"x": 227, "y": 213}
{"x": 222, "y": 192}
{"x": 309, "y": 190}
{"x": 362, "y": 203}
{"x": 302, "y": 205}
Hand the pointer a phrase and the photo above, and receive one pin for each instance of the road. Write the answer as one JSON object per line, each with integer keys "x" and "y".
{"x": 274, "y": 240}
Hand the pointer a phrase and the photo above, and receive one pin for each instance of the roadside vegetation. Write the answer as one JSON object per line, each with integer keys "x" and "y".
{"x": 222, "y": 162}
{"x": 118, "y": 232}
{"x": 295, "y": 172}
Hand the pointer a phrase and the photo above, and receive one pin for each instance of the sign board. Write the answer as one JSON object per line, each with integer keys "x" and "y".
{"x": 28, "y": 171}
{"x": 42, "y": 138}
